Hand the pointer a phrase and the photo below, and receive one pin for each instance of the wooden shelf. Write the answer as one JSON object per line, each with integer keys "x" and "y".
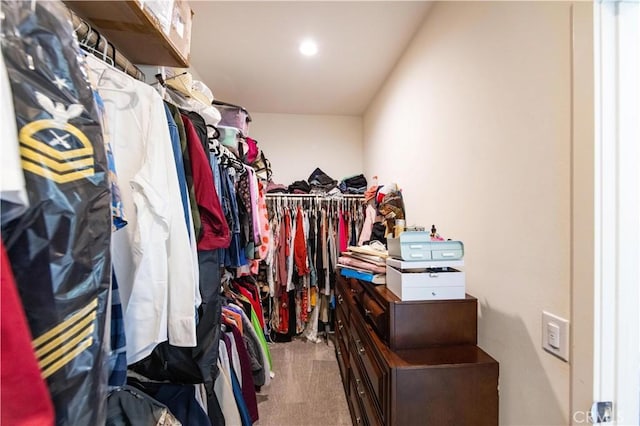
{"x": 136, "y": 32}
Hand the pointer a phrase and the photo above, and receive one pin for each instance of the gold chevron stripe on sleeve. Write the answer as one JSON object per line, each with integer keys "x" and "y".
{"x": 67, "y": 358}
{"x": 66, "y": 348}
{"x": 59, "y": 166}
{"x": 64, "y": 324}
{"x": 46, "y": 173}
{"x": 45, "y": 349}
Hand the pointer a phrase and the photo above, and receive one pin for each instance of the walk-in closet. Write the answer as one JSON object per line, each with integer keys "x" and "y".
{"x": 286, "y": 213}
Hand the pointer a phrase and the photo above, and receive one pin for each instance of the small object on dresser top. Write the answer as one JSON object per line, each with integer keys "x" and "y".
{"x": 434, "y": 234}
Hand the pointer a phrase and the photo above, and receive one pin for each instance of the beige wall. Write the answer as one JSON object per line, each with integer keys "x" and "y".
{"x": 475, "y": 125}
{"x": 582, "y": 292}
{"x": 297, "y": 144}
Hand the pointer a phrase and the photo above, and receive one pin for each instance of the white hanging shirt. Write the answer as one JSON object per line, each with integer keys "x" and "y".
{"x": 152, "y": 256}
{"x": 12, "y": 186}
{"x": 223, "y": 388}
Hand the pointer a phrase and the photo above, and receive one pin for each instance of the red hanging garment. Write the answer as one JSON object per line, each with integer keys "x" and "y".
{"x": 215, "y": 230}
{"x": 300, "y": 246}
{"x": 24, "y": 398}
{"x": 283, "y": 326}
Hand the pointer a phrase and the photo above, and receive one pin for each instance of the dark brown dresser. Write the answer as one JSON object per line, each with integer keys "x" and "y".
{"x": 412, "y": 363}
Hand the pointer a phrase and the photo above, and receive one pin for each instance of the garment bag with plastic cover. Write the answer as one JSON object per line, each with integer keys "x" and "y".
{"x": 59, "y": 248}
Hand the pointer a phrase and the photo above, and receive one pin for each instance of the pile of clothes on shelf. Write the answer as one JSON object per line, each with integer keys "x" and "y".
{"x": 385, "y": 206}
{"x": 321, "y": 183}
{"x": 384, "y": 210}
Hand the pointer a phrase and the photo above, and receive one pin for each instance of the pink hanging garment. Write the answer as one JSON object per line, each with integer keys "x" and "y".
{"x": 342, "y": 232}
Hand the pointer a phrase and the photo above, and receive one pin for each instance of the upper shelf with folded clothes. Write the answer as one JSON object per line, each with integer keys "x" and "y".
{"x": 147, "y": 33}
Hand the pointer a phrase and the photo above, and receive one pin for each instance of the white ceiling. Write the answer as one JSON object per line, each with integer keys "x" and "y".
{"x": 247, "y": 52}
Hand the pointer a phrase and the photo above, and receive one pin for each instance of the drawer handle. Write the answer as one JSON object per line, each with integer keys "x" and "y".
{"x": 433, "y": 293}
{"x": 339, "y": 352}
{"x": 358, "y": 381}
{"x": 367, "y": 312}
{"x": 448, "y": 254}
{"x": 339, "y": 299}
{"x": 358, "y": 420}
{"x": 434, "y": 275}
{"x": 361, "y": 392}
{"x": 340, "y": 326}
{"x": 416, "y": 255}
{"x": 415, "y": 246}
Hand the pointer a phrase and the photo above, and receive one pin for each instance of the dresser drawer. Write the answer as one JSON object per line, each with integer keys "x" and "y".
{"x": 363, "y": 354}
{"x": 354, "y": 286}
{"x": 341, "y": 345}
{"x": 354, "y": 403}
{"x": 341, "y": 299}
{"x": 368, "y": 402}
{"x": 341, "y": 322}
{"x": 352, "y": 290}
{"x": 375, "y": 314}
{"x": 343, "y": 363}
{"x": 447, "y": 385}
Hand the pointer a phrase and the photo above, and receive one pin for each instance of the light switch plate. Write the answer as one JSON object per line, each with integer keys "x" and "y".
{"x": 555, "y": 335}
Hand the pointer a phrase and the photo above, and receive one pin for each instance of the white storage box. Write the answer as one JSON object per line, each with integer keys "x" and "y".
{"x": 422, "y": 265}
{"x": 428, "y": 285}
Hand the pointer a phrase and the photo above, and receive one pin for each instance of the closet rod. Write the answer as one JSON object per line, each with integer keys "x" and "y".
{"x": 315, "y": 196}
{"x": 92, "y": 41}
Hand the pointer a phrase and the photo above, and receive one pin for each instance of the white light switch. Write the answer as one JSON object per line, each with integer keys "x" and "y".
{"x": 555, "y": 335}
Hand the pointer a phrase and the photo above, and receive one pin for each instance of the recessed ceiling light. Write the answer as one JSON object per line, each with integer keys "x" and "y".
{"x": 308, "y": 47}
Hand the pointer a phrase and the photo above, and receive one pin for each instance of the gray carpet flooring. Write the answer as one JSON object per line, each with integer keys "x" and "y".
{"x": 307, "y": 388}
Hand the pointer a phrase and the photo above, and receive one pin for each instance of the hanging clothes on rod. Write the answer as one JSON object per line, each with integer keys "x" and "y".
{"x": 126, "y": 223}
{"x": 309, "y": 232}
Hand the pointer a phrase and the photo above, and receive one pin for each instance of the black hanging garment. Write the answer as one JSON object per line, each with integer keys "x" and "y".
{"x": 59, "y": 248}
{"x": 129, "y": 406}
{"x": 198, "y": 364}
